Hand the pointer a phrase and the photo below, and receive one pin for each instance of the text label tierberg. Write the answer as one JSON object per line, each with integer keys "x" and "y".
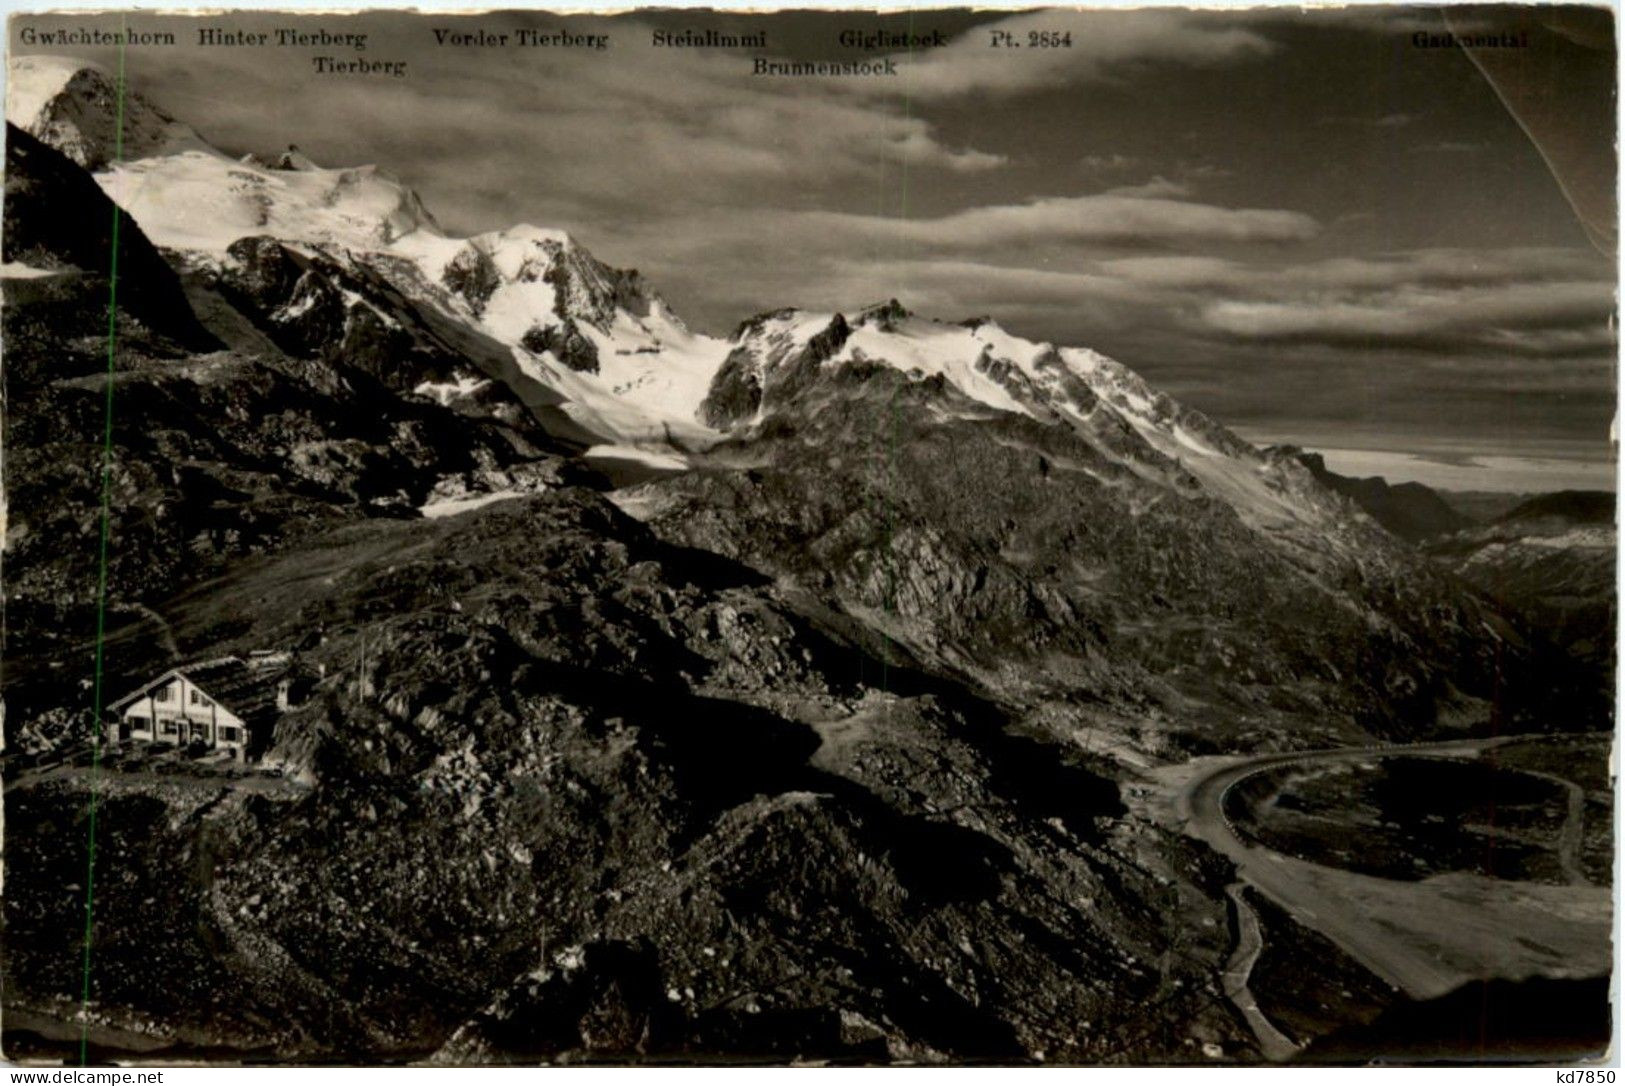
{"x": 320, "y": 39}
{"x": 521, "y": 37}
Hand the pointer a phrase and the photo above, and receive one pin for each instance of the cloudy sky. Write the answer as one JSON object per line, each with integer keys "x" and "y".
{"x": 1298, "y": 222}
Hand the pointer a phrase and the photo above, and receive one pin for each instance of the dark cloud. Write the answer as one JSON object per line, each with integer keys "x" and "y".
{"x": 1292, "y": 218}
{"x": 1146, "y": 213}
{"x": 1525, "y": 318}
{"x": 1101, "y": 44}
{"x": 1158, "y": 188}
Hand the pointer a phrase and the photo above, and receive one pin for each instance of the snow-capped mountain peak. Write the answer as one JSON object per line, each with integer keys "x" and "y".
{"x": 781, "y": 358}
{"x": 599, "y": 342}
{"x": 74, "y": 106}
{"x": 201, "y": 200}
{"x": 596, "y": 337}
{"x": 490, "y": 271}
{"x": 188, "y": 194}
{"x": 628, "y": 370}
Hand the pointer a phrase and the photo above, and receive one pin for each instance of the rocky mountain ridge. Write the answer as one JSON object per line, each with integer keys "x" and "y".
{"x": 1553, "y": 559}
{"x": 1411, "y": 511}
{"x": 816, "y": 747}
{"x": 232, "y": 433}
{"x": 564, "y": 792}
{"x": 525, "y": 328}
{"x": 80, "y": 110}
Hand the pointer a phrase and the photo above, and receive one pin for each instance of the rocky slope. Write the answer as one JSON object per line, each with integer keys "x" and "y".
{"x": 1039, "y": 521}
{"x": 1411, "y": 511}
{"x": 1552, "y": 558}
{"x": 1549, "y": 559}
{"x": 222, "y": 445}
{"x": 577, "y": 794}
{"x": 672, "y": 811}
{"x": 810, "y": 750}
{"x": 57, "y": 220}
{"x": 592, "y": 346}
{"x": 78, "y": 109}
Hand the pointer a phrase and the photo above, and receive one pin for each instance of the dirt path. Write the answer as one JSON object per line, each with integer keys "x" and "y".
{"x": 1275, "y": 1045}
{"x": 61, "y": 1027}
{"x": 1568, "y": 841}
{"x": 117, "y": 778}
{"x": 166, "y": 636}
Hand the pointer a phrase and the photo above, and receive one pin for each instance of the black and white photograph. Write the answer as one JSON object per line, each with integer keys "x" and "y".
{"x": 840, "y": 538}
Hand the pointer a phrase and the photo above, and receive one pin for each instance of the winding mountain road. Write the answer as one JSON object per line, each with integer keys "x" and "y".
{"x": 1424, "y": 937}
{"x": 1275, "y": 1045}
